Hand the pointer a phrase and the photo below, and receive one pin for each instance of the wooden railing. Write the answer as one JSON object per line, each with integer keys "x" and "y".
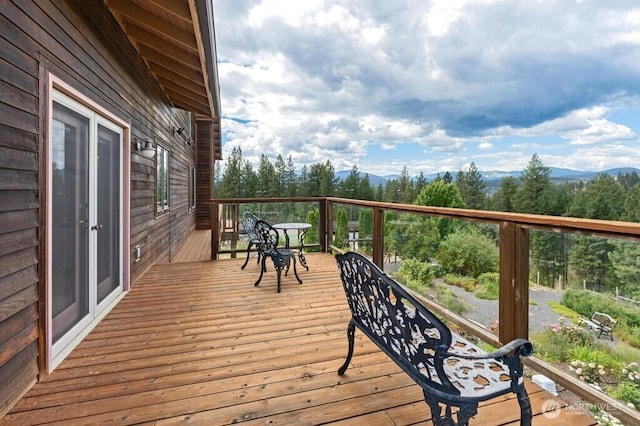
{"x": 514, "y": 267}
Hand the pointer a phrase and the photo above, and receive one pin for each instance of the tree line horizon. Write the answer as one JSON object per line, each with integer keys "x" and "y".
{"x": 282, "y": 179}
{"x": 603, "y": 263}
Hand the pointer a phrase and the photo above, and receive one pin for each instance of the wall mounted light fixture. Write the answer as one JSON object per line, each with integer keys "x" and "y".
{"x": 181, "y": 131}
{"x": 144, "y": 147}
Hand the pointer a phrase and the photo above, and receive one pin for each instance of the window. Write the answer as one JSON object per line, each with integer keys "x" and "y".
{"x": 192, "y": 188}
{"x": 162, "y": 179}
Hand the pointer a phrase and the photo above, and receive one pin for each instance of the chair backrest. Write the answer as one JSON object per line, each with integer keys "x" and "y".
{"x": 249, "y": 221}
{"x": 268, "y": 237}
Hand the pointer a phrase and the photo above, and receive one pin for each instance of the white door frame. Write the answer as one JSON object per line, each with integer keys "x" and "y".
{"x": 66, "y": 95}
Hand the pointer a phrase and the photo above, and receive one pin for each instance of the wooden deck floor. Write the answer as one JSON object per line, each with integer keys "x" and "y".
{"x": 197, "y": 343}
{"x": 197, "y": 248}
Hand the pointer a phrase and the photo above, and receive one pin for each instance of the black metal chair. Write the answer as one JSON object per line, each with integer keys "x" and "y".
{"x": 268, "y": 245}
{"x": 249, "y": 223}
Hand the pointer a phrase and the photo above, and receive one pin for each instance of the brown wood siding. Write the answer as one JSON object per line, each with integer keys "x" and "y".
{"x": 81, "y": 43}
{"x": 204, "y": 170}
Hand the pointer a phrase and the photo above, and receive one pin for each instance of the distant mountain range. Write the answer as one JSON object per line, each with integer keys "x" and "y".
{"x": 557, "y": 174}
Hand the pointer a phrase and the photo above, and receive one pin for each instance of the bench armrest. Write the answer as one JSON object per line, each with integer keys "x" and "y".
{"x": 516, "y": 347}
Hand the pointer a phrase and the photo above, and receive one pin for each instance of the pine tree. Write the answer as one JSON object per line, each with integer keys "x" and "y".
{"x": 232, "y": 175}
{"x": 341, "y": 238}
{"x": 472, "y": 187}
{"x": 534, "y": 194}
{"x": 441, "y": 194}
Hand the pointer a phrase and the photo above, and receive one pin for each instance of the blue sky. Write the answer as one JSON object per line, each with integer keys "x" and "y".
{"x": 432, "y": 85}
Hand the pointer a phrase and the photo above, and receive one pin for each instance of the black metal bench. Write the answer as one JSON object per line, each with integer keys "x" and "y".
{"x": 451, "y": 371}
{"x": 601, "y": 323}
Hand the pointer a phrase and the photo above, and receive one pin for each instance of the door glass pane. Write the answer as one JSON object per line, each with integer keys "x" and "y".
{"x": 108, "y": 210}
{"x": 70, "y": 218}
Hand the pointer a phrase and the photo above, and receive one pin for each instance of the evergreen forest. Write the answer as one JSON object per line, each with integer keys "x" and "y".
{"x": 596, "y": 263}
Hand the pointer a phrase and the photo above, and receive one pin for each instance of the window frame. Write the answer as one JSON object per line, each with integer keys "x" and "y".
{"x": 192, "y": 188}
{"x": 163, "y": 193}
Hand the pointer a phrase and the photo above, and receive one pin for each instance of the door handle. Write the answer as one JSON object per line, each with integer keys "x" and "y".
{"x": 96, "y": 227}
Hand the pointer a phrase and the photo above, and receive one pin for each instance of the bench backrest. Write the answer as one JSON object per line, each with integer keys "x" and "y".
{"x": 396, "y": 321}
{"x": 604, "y": 320}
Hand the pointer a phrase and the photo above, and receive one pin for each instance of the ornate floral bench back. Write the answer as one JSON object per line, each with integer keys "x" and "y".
{"x": 451, "y": 371}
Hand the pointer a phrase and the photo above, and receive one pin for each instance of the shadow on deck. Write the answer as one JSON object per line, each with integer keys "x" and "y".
{"x": 197, "y": 343}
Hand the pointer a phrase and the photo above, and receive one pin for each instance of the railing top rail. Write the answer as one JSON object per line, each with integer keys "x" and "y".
{"x": 536, "y": 221}
{"x": 266, "y": 200}
{"x": 611, "y": 228}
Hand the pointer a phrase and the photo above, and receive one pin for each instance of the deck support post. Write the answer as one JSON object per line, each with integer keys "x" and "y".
{"x": 214, "y": 215}
{"x": 328, "y": 220}
{"x": 514, "y": 282}
{"x": 323, "y": 206}
{"x": 378, "y": 237}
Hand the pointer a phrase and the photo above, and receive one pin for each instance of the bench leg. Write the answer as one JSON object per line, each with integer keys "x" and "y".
{"x": 465, "y": 412}
{"x": 351, "y": 331}
{"x": 525, "y": 406}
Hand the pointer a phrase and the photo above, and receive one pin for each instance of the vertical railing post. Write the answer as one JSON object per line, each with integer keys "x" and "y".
{"x": 214, "y": 223}
{"x": 232, "y": 227}
{"x": 322, "y": 225}
{"x": 514, "y": 282}
{"x": 328, "y": 221}
{"x": 378, "y": 237}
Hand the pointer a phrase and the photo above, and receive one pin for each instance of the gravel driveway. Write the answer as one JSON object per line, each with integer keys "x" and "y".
{"x": 486, "y": 311}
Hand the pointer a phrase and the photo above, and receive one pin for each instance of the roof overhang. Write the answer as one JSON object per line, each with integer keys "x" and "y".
{"x": 176, "y": 40}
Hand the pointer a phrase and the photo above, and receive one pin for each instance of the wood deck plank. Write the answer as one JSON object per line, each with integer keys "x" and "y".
{"x": 197, "y": 247}
{"x": 198, "y": 343}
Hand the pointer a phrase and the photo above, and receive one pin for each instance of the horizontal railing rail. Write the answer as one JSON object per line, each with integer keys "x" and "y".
{"x": 513, "y": 303}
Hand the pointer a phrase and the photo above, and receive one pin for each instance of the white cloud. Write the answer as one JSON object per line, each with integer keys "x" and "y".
{"x": 492, "y": 80}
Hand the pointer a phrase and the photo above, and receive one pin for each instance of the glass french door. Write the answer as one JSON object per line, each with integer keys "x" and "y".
{"x": 85, "y": 219}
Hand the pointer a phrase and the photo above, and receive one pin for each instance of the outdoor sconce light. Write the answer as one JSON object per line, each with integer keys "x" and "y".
{"x": 144, "y": 147}
{"x": 180, "y": 131}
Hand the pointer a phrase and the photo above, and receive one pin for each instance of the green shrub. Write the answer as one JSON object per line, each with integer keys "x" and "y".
{"x": 555, "y": 342}
{"x": 341, "y": 238}
{"x": 560, "y": 309}
{"x": 467, "y": 283}
{"x": 627, "y": 392}
{"x": 631, "y": 372}
{"x": 597, "y": 356}
{"x": 587, "y": 302}
{"x": 468, "y": 253}
{"x": 588, "y": 372}
{"x": 489, "y": 287}
{"x": 449, "y": 300}
{"x": 415, "y": 270}
{"x": 627, "y": 354}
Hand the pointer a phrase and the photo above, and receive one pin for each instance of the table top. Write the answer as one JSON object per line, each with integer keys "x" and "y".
{"x": 292, "y": 225}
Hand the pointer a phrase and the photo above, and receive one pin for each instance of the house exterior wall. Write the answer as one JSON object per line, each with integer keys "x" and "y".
{"x": 39, "y": 38}
{"x": 208, "y": 131}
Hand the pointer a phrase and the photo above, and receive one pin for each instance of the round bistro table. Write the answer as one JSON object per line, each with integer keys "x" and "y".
{"x": 301, "y": 228}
